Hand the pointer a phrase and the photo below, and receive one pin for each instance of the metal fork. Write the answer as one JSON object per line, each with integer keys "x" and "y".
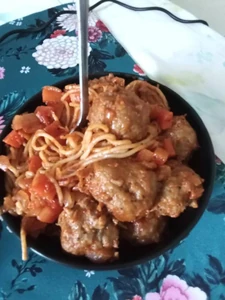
{"x": 82, "y": 14}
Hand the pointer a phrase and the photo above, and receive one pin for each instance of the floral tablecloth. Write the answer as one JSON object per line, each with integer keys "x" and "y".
{"x": 195, "y": 270}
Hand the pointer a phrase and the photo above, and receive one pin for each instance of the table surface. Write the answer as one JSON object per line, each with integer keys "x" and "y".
{"x": 195, "y": 270}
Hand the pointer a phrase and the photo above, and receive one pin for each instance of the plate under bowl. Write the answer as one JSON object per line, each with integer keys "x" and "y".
{"x": 203, "y": 162}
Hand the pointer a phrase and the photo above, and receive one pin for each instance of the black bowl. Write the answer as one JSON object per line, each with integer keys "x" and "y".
{"x": 202, "y": 162}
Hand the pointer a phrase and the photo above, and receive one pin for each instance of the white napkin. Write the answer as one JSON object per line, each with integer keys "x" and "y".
{"x": 188, "y": 58}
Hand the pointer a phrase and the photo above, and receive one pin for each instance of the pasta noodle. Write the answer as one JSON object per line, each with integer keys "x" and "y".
{"x": 45, "y": 154}
{"x": 23, "y": 239}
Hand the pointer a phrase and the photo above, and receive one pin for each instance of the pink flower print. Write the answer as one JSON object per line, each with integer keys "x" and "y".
{"x": 173, "y": 288}
{"x": 138, "y": 70}
{"x": 2, "y": 126}
{"x": 2, "y": 73}
{"x": 102, "y": 26}
{"x": 57, "y": 33}
{"x": 94, "y": 34}
{"x": 136, "y": 297}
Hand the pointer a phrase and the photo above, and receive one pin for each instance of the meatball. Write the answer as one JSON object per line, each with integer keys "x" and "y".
{"x": 108, "y": 83}
{"x": 182, "y": 189}
{"x": 183, "y": 137}
{"x": 147, "y": 230}
{"x": 124, "y": 113}
{"x": 126, "y": 187}
{"x": 87, "y": 230}
{"x": 148, "y": 93}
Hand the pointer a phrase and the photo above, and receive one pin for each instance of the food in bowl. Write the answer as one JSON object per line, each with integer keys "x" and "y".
{"x": 119, "y": 178}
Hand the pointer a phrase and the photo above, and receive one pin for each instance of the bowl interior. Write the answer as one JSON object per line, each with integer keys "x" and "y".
{"x": 202, "y": 162}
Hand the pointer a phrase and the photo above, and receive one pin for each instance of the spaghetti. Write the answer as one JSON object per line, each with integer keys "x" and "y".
{"x": 44, "y": 158}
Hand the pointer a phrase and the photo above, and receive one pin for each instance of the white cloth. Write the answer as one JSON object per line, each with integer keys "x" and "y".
{"x": 190, "y": 59}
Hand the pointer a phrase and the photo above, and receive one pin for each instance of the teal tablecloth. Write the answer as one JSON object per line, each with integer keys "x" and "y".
{"x": 195, "y": 270}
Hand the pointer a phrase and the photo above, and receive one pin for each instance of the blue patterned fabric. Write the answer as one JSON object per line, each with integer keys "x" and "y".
{"x": 195, "y": 270}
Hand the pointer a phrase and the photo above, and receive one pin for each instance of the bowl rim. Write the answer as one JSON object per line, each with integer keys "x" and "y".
{"x": 176, "y": 241}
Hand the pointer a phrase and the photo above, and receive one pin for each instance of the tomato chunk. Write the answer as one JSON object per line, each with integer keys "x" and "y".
{"x": 25, "y": 135}
{"x": 165, "y": 119}
{"x": 46, "y": 211}
{"x": 34, "y": 164}
{"x": 45, "y": 114}
{"x": 168, "y": 145}
{"x": 57, "y": 108}
{"x": 14, "y": 139}
{"x": 51, "y": 94}
{"x": 160, "y": 156}
{"x": 163, "y": 116}
{"x": 50, "y": 213}
{"x": 29, "y": 123}
{"x": 55, "y": 129}
{"x": 43, "y": 187}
